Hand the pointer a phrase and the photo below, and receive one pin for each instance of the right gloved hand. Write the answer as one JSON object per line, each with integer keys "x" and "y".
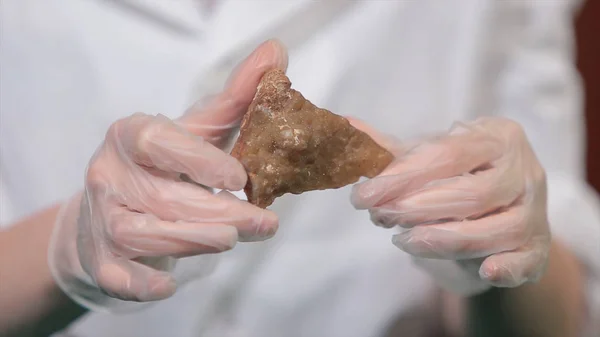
{"x": 121, "y": 236}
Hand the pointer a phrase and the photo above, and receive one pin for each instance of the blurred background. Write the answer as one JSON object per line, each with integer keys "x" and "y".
{"x": 588, "y": 48}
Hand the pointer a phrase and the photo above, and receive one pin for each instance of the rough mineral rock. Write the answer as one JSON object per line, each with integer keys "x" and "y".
{"x": 288, "y": 145}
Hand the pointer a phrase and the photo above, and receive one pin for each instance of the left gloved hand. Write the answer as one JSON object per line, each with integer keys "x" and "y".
{"x": 477, "y": 193}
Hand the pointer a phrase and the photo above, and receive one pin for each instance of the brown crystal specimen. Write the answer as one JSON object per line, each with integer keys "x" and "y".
{"x": 288, "y": 145}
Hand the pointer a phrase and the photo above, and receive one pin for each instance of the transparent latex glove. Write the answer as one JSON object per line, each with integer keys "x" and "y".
{"x": 476, "y": 195}
{"x": 148, "y": 198}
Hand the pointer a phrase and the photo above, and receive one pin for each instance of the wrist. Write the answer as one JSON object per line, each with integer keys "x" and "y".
{"x": 37, "y": 304}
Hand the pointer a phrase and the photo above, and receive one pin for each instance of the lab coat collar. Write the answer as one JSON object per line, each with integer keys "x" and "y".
{"x": 239, "y": 26}
{"x": 236, "y": 22}
{"x": 236, "y": 28}
{"x": 232, "y": 27}
{"x": 230, "y": 24}
{"x": 185, "y": 17}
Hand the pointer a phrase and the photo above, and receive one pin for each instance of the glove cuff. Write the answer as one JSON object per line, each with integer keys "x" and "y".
{"x": 458, "y": 278}
{"x": 66, "y": 269}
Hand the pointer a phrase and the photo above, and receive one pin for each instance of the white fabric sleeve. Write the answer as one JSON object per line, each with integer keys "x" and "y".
{"x": 6, "y": 205}
{"x": 540, "y": 88}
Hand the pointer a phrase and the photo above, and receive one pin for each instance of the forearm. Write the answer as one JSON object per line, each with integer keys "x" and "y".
{"x": 553, "y": 307}
{"x": 32, "y": 302}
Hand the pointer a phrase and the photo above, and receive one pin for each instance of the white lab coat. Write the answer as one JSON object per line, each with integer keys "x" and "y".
{"x": 70, "y": 68}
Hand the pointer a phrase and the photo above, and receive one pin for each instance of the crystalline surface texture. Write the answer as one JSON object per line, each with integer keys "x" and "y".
{"x": 288, "y": 145}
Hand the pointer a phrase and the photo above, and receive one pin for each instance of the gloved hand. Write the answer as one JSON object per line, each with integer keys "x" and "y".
{"x": 148, "y": 199}
{"x": 476, "y": 195}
